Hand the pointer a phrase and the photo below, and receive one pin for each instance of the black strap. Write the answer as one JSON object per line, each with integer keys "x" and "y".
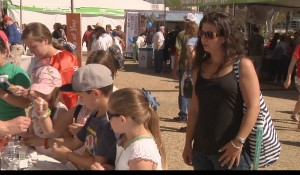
{"x": 77, "y": 110}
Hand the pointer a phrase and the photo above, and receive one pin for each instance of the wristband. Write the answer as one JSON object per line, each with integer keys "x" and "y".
{"x": 46, "y": 145}
{"x": 46, "y": 114}
{"x": 239, "y": 139}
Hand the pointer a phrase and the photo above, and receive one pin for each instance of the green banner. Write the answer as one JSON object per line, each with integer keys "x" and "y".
{"x": 175, "y": 3}
{"x": 82, "y": 10}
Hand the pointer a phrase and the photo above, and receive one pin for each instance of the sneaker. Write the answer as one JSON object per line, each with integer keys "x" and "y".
{"x": 295, "y": 118}
{"x": 182, "y": 129}
{"x": 180, "y": 119}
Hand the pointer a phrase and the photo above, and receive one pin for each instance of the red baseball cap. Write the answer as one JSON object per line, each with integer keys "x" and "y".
{"x": 5, "y": 18}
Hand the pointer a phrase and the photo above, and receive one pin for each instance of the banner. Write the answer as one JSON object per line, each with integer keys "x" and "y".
{"x": 132, "y": 28}
{"x": 82, "y": 10}
{"x": 74, "y": 33}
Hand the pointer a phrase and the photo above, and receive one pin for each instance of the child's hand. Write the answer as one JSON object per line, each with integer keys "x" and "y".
{"x": 40, "y": 105}
{"x": 96, "y": 166}
{"x": 60, "y": 152}
{"x": 74, "y": 128}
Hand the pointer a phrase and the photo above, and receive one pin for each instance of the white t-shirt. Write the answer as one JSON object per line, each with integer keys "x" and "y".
{"x": 145, "y": 148}
{"x": 102, "y": 43}
{"x": 158, "y": 37}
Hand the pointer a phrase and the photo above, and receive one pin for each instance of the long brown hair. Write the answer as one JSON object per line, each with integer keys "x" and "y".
{"x": 54, "y": 99}
{"x": 133, "y": 103}
{"x": 104, "y": 58}
{"x": 228, "y": 29}
{"x": 37, "y": 31}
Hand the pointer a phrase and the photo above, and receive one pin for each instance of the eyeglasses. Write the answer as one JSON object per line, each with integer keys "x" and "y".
{"x": 112, "y": 115}
{"x": 208, "y": 35}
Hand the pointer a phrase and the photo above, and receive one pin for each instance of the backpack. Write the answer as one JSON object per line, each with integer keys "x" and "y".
{"x": 264, "y": 144}
{"x": 119, "y": 59}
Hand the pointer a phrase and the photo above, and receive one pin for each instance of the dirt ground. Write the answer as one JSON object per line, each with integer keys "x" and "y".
{"x": 165, "y": 88}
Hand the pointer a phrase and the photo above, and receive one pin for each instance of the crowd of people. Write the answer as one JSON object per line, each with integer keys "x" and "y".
{"x": 76, "y": 114}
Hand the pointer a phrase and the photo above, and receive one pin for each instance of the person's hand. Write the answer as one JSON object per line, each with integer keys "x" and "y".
{"x": 60, "y": 152}
{"x": 40, "y": 105}
{"x": 231, "y": 154}
{"x": 74, "y": 128}
{"x": 287, "y": 83}
{"x": 18, "y": 125}
{"x": 97, "y": 166}
{"x": 18, "y": 90}
{"x": 187, "y": 155}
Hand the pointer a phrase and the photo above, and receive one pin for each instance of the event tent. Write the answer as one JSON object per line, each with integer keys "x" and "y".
{"x": 49, "y": 12}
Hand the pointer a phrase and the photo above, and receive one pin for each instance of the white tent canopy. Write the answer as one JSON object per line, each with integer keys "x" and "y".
{"x": 47, "y": 14}
{"x": 116, "y": 4}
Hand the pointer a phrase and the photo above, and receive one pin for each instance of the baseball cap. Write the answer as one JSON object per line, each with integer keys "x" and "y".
{"x": 190, "y": 17}
{"x": 46, "y": 79}
{"x": 5, "y": 18}
{"x": 88, "y": 77}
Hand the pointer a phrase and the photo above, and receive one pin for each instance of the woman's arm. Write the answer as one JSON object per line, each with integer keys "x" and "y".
{"x": 249, "y": 86}
{"x": 16, "y": 101}
{"x": 293, "y": 62}
{"x": 250, "y": 89}
{"x": 190, "y": 53}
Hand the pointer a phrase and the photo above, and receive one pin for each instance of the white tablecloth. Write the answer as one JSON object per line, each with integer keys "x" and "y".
{"x": 40, "y": 162}
{"x": 48, "y": 163}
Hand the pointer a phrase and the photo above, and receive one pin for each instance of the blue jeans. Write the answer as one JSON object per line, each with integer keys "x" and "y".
{"x": 182, "y": 101}
{"x": 158, "y": 60}
{"x": 211, "y": 162}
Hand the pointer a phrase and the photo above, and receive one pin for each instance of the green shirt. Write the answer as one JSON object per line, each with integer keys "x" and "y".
{"x": 181, "y": 40}
{"x": 16, "y": 76}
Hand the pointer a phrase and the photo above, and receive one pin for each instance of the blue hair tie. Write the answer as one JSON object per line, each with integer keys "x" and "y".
{"x": 152, "y": 100}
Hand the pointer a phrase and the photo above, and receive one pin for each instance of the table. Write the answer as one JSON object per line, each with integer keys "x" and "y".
{"x": 48, "y": 163}
{"x": 39, "y": 162}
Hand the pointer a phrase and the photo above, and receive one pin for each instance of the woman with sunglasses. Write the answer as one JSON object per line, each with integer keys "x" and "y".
{"x": 217, "y": 128}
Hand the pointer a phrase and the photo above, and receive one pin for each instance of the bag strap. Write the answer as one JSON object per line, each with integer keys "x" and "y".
{"x": 259, "y": 134}
{"x": 259, "y": 129}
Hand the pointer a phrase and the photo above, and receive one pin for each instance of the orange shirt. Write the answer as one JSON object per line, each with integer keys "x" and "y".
{"x": 66, "y": 63}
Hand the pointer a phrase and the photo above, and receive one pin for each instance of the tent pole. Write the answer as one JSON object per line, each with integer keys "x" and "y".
{"x": 72, "y": 6}
{"x": 20, "y": 25}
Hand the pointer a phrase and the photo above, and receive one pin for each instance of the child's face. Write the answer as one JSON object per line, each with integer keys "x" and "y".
{"x": 87, "y": 99}
{"x": 39, "y": 49}
{"x": 115, "y": 120}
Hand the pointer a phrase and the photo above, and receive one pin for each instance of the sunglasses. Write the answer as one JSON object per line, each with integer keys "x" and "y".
{"x": 208, "y": 35}
{"x": 110, "y": 116}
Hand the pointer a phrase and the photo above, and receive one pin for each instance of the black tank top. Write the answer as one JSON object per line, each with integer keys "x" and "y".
{"x": 220, "y": 112}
